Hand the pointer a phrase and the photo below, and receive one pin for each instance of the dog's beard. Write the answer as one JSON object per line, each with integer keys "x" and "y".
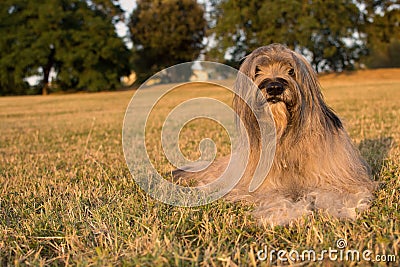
{"x": 281, "y": 104}
{"x": 281, "y": 115}
{"x": 281, "y": 107}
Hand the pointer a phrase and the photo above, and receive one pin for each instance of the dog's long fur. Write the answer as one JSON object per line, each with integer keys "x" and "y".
{"x": 316, "y": 166}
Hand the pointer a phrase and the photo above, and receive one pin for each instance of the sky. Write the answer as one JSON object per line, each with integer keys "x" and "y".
{"x": 122, "y": 30}
{"x": 128, "y": 5}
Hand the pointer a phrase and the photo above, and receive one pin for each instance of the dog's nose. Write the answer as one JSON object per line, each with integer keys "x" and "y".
{"x": 275, "y": 88}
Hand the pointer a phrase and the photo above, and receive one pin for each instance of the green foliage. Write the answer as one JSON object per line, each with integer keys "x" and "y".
{"x": 330, "y": 32}
{"x": 331, "y": 35}
{"x": 387, "y": 55}
{"x": 165, "y": 33}
{"x": 74, "y": 38}
{"x": 383, "y": 34}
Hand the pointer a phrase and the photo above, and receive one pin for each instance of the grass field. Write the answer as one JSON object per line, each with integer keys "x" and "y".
{"x": 67, "y": 197}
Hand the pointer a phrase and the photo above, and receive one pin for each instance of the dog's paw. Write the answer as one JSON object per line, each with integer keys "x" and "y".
{"x": 283, "y": 212}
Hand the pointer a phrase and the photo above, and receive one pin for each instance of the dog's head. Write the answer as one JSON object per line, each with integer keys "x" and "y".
{"x": 287, "y": 84}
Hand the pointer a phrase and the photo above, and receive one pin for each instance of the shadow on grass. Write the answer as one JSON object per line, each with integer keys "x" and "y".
{"x": 375, "y": 151}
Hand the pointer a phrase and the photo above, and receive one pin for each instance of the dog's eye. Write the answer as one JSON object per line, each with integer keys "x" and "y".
{"x": 291, "y": 72}
{"x": 262, "y": 85}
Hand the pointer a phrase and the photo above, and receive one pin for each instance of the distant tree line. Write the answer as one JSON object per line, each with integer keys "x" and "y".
{"x": 72, "y": 45}
{"x": 335, "y": 35}
{"x": 73, "y": 38}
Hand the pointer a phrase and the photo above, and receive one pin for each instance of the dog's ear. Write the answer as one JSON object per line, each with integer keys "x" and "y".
{"x": 244, "y": 79}
{"x": 312, "y": 92}
{"x": 305, "y": 74}
{"x": 244, "y": 84}
{"x": 245, "y": 98}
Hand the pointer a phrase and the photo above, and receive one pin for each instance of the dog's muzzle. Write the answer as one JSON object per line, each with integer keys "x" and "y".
{"x": 275, "y": 91}
{"x": 275, "y": 88}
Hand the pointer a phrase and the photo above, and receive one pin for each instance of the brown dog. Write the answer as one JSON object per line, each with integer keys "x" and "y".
{"x": 316, "y": 166}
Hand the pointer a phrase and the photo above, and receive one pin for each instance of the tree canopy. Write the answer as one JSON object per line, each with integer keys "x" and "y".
{"x": 164, "y": 33}
{"x": 72, "y": 44}
{"x": 75, "y": 39}
{"x": 382, "y": 28}
{"x": 323, "y": 30}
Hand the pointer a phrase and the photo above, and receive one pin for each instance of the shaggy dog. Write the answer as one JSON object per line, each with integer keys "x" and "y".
{"x": 315, "y": 166}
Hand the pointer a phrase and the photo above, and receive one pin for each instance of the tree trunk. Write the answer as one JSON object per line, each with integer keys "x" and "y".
{"x": 46, "y": 71}
{"x": 45, "y": 89}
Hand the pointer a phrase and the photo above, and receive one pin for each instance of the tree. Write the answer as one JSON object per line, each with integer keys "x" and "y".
{"x": 235, "y": 30}
{"x": 324, "y": 30}
{"x": 75, "y": 39}
{"x": 164, "y": 33}
{"x": 334, "y": 35}
{"x": 382, "y": 28}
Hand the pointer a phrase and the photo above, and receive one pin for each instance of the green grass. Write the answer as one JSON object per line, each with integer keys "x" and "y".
{"x": 67, "y": 197}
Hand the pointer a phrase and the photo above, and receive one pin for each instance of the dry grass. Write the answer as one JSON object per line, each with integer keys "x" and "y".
{"x": 67, "y": 197}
